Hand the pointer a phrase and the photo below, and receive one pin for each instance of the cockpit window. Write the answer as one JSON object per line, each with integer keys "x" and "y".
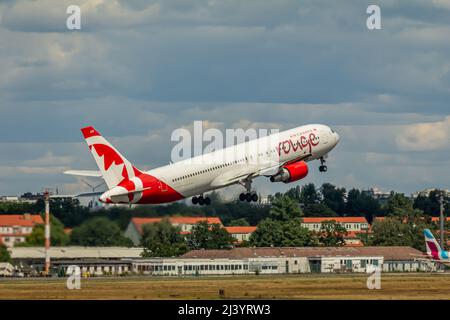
{"x": 332, "y": 130}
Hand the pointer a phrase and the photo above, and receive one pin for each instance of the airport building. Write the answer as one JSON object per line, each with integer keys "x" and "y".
{"x": 96, "y": 261}
{"x": 284, "y": 261}
{"x": 100, "y": 261}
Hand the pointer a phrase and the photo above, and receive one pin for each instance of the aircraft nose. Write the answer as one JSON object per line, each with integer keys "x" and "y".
{"x": 337, "y": 137}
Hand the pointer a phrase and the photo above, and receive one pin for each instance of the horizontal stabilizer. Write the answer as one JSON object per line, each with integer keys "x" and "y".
{"x": 89, "y": 194}
{"x": 80, "y": 195}
{"x": 84, "y": 173}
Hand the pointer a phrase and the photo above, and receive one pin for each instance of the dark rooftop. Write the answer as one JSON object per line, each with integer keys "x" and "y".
{"x": 389, "y": 253}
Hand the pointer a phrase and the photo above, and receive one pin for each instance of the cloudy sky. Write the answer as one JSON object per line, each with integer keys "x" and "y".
{"x": 137, "y": 70}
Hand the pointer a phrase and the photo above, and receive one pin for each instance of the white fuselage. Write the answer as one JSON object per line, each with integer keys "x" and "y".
{"x": 222, "y": 167}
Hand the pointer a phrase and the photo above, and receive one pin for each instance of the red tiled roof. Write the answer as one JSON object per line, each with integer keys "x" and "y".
{"x": 436, "y": 219}
{"x": 10, "y": 220}
{"x": 337, "y": 219}
{"x": 139, "y": 222}
{"x": 239, "y": 229}
{"x": 389, "y": 253}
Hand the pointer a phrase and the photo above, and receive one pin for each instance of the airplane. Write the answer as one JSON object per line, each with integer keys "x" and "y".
{"x": 434, "y": 250}
{"x": 281, "y": 157}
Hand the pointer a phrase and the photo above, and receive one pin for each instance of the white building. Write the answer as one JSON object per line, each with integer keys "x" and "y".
{"x": 353, "y": 225}
{"x": 14, "y": 228}
{"x": 426, "y": 193}
{"x": 240, "y": 233}
{"x": 282, "y": 261}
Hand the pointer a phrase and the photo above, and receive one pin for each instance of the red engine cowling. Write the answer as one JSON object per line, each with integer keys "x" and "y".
{"x": 291, "y": 172}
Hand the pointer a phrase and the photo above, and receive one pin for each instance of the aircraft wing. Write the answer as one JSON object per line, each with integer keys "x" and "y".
{"x": 432, "y": 260}
{"x": 273, "y": 167}
{"x": 231, "y": 177}
{"x": 84, "y": 173}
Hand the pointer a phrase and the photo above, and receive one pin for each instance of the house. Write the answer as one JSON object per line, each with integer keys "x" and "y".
{"x": 350, "y": 223}
{"x": 240, "y": 233}
{"x": 353, "y": 225}
{"x": 134, "y": 229}
{"x": 14, "y": 228}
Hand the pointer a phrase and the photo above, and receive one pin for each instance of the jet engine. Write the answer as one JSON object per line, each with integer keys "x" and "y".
{"x": 291, "y": 172}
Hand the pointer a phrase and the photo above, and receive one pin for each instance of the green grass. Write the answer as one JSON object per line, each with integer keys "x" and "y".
{"x": 393, "y": 286}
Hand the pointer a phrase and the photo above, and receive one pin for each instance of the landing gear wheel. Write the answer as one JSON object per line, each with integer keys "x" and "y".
{"x": 194, "y": 200}
{"x": 323, "y": 167}
{"x": 242, "y": 197}
{"x": 254, "y": 197}
{"x": 201, "y": 201}
{"x": 248, "y": 197}
{"x": 207, "y": 201}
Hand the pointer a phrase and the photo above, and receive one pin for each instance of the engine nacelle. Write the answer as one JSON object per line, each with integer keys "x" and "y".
{"x": 291, "y": 172}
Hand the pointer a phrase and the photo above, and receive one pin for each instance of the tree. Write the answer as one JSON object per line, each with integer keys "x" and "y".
{"x": 318, "y": 210}
{"x": 99, "y": 231}
{"x": 430, "y": 204}
{"x": 204, "y": 236}
{"x": 267, "y": 234}
{"x": 57, "y": 235}
{"x": 333, "y": 197}
{"x": 284, "y": 208}
{"x": 392, "y": 231}
{"x": 274, "y": 233}
{"x": 294, "y": 193}
{"x": 309, "y": 195}
{"x": 68, "y": 211}
{"x": 401, "y": 207}
{"x": 360, "y": 203}
{"x": 332, "y": 234}
{"x": 4, "y": 254}
{"x": 162, "y": 240}
{"x": 242, "y": 222}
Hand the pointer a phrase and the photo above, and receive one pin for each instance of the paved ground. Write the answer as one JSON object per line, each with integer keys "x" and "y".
{"x": 393, "y": 286}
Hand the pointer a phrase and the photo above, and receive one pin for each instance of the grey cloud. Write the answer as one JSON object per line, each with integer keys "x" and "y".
{"x": 139, "y": 70}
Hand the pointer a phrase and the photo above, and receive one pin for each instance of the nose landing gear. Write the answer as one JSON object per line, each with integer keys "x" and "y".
{"x": 323, "y": 167}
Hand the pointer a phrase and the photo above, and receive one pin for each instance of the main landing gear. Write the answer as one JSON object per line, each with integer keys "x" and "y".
{"x": 248, "y": 196}
{"x": 201, "y": 201}
{"x": 323, "y": 167}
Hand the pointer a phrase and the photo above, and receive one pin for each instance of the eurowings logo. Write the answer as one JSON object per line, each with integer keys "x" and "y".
{"x": 433, "y": 248}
